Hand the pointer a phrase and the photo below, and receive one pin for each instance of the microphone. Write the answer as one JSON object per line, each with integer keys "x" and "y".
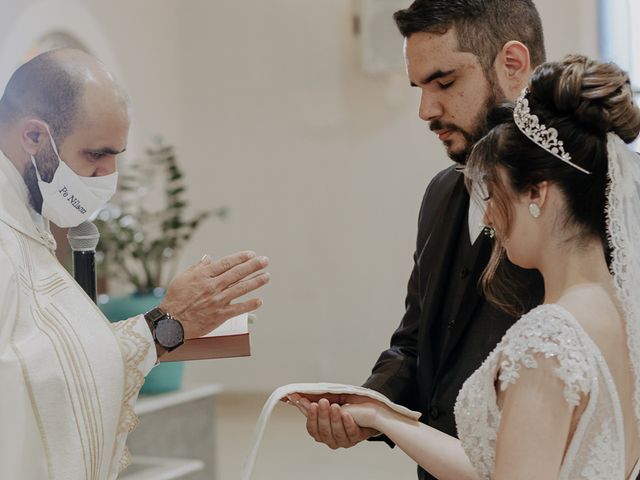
{"x": 83, "y": 240}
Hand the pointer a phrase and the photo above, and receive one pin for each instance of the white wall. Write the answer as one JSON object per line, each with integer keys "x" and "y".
{"x": 145, "y": 38}
{"x": 323, "y": 167}
{"x": 137, "y": 39}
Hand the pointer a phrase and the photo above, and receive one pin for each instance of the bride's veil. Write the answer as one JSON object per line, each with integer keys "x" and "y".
{"x": 623, "y": 229}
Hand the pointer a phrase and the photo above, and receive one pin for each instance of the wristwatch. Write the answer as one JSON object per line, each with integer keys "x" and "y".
{"x": 166, "y": 330}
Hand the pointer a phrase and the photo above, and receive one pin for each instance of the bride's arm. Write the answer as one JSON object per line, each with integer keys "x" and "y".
{"x": 531, "y": 439}
{"x": 440, "y": 454}
{"x": 534, "y": 424}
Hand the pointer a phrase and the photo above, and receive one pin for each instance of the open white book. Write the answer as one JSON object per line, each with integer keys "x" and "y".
{"x": 311, "y": 389}
{"x": 231, "y": 339}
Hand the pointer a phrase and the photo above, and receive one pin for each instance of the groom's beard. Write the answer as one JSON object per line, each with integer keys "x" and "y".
{"x": 47, "y": 164}
{"x": 480, "y": 127}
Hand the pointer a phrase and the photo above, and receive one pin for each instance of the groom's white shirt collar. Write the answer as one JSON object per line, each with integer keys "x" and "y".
{"x": 475, "y": 217}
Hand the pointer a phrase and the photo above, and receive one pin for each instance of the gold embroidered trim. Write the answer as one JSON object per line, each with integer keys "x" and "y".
{"x": 125, "y": 461}
{"x": 134, "y": 349}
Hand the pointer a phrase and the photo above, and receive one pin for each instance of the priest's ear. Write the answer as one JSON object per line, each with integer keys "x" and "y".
{"x": 33, "y": 134}
{"x": 513, "y": 68}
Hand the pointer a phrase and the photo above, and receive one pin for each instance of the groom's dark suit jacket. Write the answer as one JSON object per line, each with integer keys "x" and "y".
{"x": 448, "y": 328}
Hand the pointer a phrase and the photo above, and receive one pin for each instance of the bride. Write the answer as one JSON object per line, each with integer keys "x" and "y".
{"x": 559, "y": 397}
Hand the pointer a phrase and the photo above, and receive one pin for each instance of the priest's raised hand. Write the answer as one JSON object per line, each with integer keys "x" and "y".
{"x": 200, "y": 299}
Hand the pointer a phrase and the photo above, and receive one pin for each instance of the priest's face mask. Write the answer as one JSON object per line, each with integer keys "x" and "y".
{"x": 455, "y": 91}
{"x": 84, "y": 157}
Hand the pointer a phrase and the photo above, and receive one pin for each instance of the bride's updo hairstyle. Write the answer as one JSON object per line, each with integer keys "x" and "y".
{"x": 583, "y": 100}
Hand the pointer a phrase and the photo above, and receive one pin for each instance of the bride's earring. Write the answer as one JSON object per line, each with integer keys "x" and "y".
{"x": 534, "y": 210}
{"x": 489, "y": 231}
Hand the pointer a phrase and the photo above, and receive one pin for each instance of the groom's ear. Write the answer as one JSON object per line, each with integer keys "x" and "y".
{"x": 513, "y": 68}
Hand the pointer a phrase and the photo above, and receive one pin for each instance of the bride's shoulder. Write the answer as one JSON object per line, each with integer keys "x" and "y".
{"x": 589, "y": 308}
{"x": 548, "y": 338}
{"x": 595, "y": 311}
{"x": 546, "y": 329}
{"x": 545, "y": 318}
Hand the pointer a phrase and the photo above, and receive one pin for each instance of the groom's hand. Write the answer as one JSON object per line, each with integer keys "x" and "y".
{"x": 328, "y": 423}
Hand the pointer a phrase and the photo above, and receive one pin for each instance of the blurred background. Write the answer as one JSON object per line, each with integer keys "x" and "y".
{"x": 297, "y": 116}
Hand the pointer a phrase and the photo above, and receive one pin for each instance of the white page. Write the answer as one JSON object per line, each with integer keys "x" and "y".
{"x": 234, "y": 326}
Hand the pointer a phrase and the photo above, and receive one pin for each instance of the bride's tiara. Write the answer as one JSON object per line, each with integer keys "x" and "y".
{"x": 544, "y": 137}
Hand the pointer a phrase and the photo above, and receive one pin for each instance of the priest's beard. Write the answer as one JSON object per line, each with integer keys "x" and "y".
{"x": 47, "y": 162}
{"x": 480, "y": 126}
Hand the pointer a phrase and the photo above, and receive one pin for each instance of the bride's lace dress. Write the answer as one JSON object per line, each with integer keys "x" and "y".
{"x": 597, "y": 447}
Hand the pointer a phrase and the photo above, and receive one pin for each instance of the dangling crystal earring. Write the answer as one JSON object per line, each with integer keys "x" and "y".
{"x": 534, "y": 210}
{"x": 489, "y": 231}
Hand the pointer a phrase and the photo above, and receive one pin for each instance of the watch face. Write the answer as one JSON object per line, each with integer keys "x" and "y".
{"x": 169, "y": 333}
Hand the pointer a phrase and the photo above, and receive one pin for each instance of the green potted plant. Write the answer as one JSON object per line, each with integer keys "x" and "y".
{"x": 141, "y": 246}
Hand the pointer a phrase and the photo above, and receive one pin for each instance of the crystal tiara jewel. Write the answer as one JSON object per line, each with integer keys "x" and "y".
{"x": 544, "y": 137}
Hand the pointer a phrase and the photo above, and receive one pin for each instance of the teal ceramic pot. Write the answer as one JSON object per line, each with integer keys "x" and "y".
{"x": 165, "y": 377}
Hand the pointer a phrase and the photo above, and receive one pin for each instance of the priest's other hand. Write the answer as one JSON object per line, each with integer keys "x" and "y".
{"x": 200, "y": 298}
{"x": 329, "y": 423}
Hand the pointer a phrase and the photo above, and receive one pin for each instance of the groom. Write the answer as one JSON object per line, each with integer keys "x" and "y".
{"x": 464, "y": 56}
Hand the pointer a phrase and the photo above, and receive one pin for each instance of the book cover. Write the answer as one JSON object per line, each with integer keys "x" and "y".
{"x": 231, "y": 339}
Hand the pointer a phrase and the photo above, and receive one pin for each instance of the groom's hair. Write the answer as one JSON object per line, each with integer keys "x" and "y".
{"x": 482, "y": 26}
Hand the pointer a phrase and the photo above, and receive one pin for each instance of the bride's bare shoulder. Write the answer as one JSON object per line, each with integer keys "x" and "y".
{"x": 594, "y": 307}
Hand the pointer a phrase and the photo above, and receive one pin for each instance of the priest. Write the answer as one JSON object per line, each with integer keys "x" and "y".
{"x": 70, "y": 378}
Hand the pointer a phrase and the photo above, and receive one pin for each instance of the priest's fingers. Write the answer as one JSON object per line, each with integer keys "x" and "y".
{"x": 243, "y": 287}
{"x": 214, "y": 268}
{"x": 240, "y": 272}
{"x": 205, "y": 319}
{"x": 236, "y": 309}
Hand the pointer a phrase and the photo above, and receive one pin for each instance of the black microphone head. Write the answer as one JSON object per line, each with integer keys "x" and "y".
{"x": 83, "y": 237}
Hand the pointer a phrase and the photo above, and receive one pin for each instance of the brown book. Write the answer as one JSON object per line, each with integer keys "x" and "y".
{"x": 231, "y": 339}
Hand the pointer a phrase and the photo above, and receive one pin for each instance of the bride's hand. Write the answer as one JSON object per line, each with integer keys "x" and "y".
{"x": 366, "y": 414}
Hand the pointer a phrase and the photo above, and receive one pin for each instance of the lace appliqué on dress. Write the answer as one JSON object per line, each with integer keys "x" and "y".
{"x": 134, "y": 350}
{"x": 543, "y": 331}
{"x": 603, "y": 457}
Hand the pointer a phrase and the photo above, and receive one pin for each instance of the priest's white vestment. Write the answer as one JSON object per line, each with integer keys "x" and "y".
{"x": 69, "y": 378}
